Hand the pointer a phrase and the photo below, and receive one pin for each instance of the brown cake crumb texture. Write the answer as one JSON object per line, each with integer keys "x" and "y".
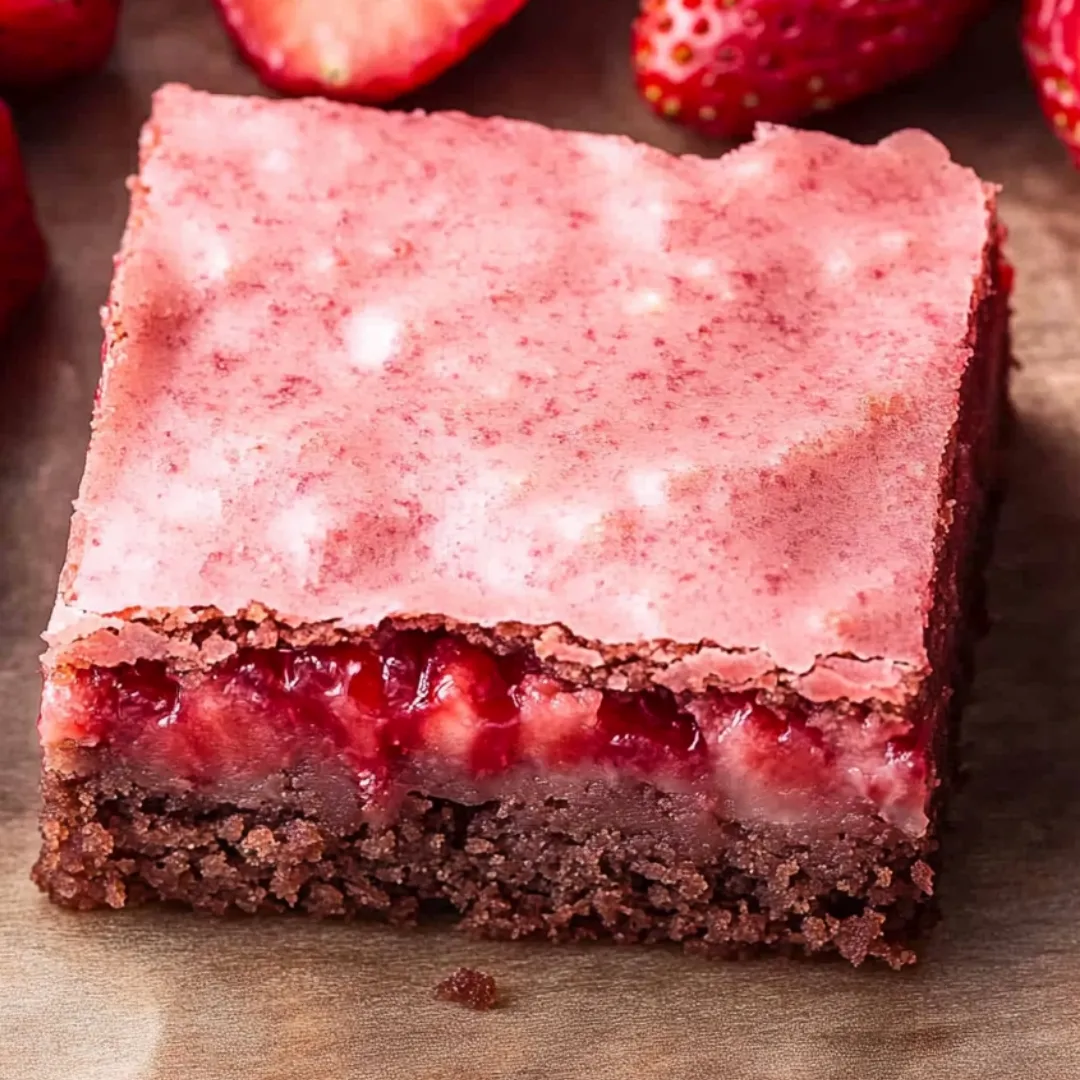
{"x": 469, "y": 987}
{"x": 510, "y": 869}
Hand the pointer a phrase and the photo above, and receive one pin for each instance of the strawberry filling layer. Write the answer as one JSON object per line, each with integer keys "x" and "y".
{"x": 432, "y": 703}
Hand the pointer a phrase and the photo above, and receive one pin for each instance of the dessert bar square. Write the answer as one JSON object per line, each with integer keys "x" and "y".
{"x": 529, "y": 523}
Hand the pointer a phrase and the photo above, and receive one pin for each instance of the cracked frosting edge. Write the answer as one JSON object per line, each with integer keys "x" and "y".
{"x": 189, "y": 638}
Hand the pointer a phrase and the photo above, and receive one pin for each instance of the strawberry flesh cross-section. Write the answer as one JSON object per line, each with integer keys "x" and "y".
{"x": 721, "y": 68}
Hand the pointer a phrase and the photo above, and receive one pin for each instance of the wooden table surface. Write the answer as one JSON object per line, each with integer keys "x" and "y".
{"x": 154, "y": 995}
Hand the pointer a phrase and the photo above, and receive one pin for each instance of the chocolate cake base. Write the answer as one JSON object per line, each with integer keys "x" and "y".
{"x": 509, "y": 868}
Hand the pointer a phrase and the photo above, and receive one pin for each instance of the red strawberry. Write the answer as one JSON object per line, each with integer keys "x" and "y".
{"x": 22, "y": 250}
{"x": 1051, "y": 36}
{"x": 722, "y": 65}
{"x": 42, "y": 40}
{"x": 359, "y": 50}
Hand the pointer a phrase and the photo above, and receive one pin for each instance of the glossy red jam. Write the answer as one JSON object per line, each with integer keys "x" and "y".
{"x": 409, "y": 696}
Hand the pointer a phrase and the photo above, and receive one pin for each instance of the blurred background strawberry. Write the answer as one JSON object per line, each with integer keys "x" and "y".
{"x": 1051, "y": 39}
{"x": 45, "y": 40}
{"x": 22, "y": 250}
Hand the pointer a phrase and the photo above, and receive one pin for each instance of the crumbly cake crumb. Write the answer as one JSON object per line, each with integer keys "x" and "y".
{"x": 469, "y": 987}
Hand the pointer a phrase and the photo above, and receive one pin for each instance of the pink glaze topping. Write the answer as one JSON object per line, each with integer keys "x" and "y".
{"x": 363, "y": 364}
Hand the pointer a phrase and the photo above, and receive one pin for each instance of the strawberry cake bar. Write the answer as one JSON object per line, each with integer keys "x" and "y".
{"x": 527, "y": 524}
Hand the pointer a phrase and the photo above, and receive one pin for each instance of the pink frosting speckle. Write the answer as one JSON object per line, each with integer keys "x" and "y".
{"x": 365, "y": 363}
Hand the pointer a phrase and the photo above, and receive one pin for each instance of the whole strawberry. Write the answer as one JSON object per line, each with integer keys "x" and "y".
{"x": 22, "y": 250}
{"x": 43, "y": 40}
{"x": 1051, "y": 36}
{"x": 722, "y": 65}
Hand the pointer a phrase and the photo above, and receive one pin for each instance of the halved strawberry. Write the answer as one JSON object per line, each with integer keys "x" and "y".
{"x": 43, "y": 40}
{"x": 722, "y": 65}
{"x": 359, "y": 50}
{"x": 22, "y": 250}
{"x": 1051, "y": 37}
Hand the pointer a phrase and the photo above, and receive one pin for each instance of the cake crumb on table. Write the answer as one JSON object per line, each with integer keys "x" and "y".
{"x": 469, "y": 987}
